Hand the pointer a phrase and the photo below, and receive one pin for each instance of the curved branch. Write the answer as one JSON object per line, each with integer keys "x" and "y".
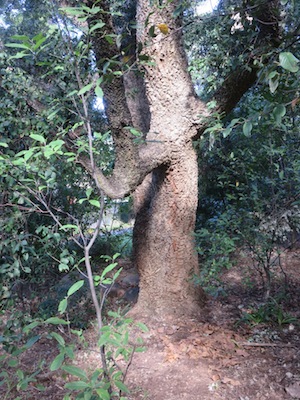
{"x": 119, "y": 184}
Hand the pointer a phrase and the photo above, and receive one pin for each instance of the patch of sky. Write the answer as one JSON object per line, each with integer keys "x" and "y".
{"x": 207, "y": 6}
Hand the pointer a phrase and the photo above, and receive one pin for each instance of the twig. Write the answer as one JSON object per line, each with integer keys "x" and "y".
{"x": 249, "y": 344}
{"x": 129, "y": 363}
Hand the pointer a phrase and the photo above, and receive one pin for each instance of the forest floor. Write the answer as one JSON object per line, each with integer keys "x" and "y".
{"x": 239, "y": 348}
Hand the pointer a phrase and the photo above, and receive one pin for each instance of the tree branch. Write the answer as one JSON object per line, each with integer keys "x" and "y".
{"x": 266, "y": 15}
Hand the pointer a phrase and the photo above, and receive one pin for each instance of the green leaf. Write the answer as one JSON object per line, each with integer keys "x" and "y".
{"x": 88, "y": 192}
{"x": 78, "y": 11}
{"x": 58, "y": 338}
{"x": 75, "y": 287}
{"x": 109, "y": 38}
{"x": 63, "y": 305}
{"x": 38, "y": 138}
{"x": 120, "y": 385}
{"x": 116, "y": 275}
{"x": 22, "y": 38}
{"x": 92, "y": 10}
{"x": 69, "y": 226}
{"x": 107, "y": 269}
{"x": 18, "y": 46}
{"x": 13, "y": 362}
{"x": 103, "y": 394}
{"x": 85, "y": 89}
{"x": 80, "y": 201}
{"x": 140, "y": 349}
{"x": 273, "y": 81}
{"x": 151, "y": 31}
{"x": 288, "y": 61}
{"x": 2, "y": 144}
{"x": 95, "y": 203}
{"x": 18, "y": 55}
{"x": 247, "y": 128}
{"x": 69, "y": 352}
{"x": 31, "y": 326}
{"x": 63, "y": 267}
{"x": 32, "y": 341}
{"x": 116, "y": 255}
{"x": 39, "y": 40}
{"x": 78, "y": 385}
{"x": 56, "y": 321}
{"x": 99, "y": 92}
{"x": 98, "y": 25}
{"x": 279, "y": 112}
{"x": 56, "y": 144}
{"x": 72, "y": 370}
{"x": 142, "y": 327}
{"x": 104, "y": 338}
{"x": 178, "y": 11}
{"x": 72, "y": 93}
{"x": 52, "y": 115}
{"x": 57, "y": 362}
{"x": 20, "y": 374}
{"x": 88, "y": 395}
{"x": 28, "y": 153}
{"x": 227, "y": 131}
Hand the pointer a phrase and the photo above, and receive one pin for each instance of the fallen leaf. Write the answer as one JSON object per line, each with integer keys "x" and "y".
{"x": 294, "y": 390}
{"x": 163, "y": 28}
{"x": 209, "y": 332}
{"x": 193, "y": 352}
{"x": 229, "y": 363}
{"x": 241, "y": 352}
{"x": 205, "y": 354}
{"x": 230, "y": 381}
{"x": 171, "y": 353}
{"x": 216, "y": 377}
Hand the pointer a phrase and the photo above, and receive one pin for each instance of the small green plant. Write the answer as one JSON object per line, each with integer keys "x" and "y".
{"x": 115, "y": 346}
{"x": 269, "y": 313}
{"x": 16, "y": 339}
{"x": 106, "y": 384}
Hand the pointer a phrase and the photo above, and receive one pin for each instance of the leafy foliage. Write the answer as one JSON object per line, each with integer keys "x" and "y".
{"x": 249, "y": 186}
{"x": 49, "y": 93}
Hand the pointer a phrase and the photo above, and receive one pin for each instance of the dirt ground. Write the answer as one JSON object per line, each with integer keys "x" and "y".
{"x": 217, "y": 355}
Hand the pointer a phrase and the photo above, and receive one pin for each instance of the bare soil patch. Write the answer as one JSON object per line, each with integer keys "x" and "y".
{"x": 216, "y": 355}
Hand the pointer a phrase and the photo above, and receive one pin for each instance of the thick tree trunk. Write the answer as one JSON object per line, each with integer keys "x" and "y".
{"x": 166, "y": 202}
{"x": 163, "y": 241}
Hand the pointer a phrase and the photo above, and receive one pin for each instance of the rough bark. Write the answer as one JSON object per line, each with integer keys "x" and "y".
{"x": 163, "y": 240}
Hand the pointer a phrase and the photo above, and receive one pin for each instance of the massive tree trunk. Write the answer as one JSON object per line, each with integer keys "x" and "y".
{"x": 166, "y": 202}
{"x": 160, "y": 101}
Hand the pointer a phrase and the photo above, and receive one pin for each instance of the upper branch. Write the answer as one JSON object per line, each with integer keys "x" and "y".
{"x": 266, "y": 16}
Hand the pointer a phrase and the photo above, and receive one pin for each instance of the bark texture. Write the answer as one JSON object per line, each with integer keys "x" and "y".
{"x": 163, "y": 240}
